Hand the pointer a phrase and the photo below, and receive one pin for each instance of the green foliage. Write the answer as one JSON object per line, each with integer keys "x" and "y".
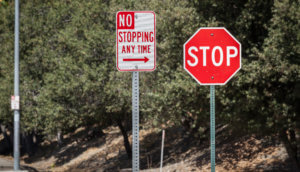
{"x": 262, "y": 98}
{"x": 6, "y": 62}
{"x": 69, "y": 79}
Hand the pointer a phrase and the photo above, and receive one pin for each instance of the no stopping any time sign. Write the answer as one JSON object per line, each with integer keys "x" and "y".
{"x": 136, "y": 43}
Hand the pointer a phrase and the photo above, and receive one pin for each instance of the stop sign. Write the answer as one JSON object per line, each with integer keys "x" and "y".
{"x": 212, "y": 56}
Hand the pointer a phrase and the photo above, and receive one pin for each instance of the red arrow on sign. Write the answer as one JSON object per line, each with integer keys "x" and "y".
{"x": 145, "y": 59}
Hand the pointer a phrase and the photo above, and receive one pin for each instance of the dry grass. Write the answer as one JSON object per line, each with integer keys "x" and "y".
{"x": 182, "y": 153}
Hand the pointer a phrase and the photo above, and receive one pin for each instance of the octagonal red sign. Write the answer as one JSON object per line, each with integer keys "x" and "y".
{"x": 212, "y": 56}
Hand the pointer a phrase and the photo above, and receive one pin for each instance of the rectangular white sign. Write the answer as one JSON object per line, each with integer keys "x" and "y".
{"x": 136, "y": 41}
{"x": 15, "y": 102}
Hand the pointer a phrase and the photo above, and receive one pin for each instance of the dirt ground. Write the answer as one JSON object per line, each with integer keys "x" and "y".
{"x": 181, "y": 153}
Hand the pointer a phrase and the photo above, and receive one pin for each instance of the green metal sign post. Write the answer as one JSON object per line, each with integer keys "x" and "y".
{"x": 212, "y": 128}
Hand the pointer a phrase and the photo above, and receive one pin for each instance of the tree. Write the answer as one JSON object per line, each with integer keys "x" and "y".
{"x": 69, "y": 78}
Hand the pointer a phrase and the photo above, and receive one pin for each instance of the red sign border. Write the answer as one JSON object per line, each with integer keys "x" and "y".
{"x": 202, "y": 28}
{"x": 117, "y": 58}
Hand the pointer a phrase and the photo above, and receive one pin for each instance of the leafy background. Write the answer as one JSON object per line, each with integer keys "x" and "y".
{"x": 68, "y": 77}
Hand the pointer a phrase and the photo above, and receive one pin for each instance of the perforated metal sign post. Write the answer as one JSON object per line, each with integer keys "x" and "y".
{"x": 135, "y": 51}
{"x": 135, "y": 122}
{"x": 212, "y": 56}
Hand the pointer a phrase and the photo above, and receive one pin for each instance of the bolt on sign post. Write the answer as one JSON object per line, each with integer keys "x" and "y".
{"x": 136, "y": 51}
{"x": 212, "y": 56}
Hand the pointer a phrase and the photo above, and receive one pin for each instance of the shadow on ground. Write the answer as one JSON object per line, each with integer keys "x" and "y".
{"x": 175, "y": 145}
{"x": 72, "y": 146}
{"x": 179, "y": 147}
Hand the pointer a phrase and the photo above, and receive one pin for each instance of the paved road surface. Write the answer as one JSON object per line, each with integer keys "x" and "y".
{"x": 6, "y": 164}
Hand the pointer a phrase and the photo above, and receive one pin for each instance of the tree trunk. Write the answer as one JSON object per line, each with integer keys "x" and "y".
{"x": 6, "y": 144}
{"x": 94, "y": 132}
{"x": 11, "y": 138}
{"x": 27, "y": 143}
{"x": 125, "y": 136}
{"x": 293, "y": 144}
{"x": 38, "y": 138}
{"x": 298, "y": 144}
{"x": 59, "y": 137}
{"x": 289, "y": 146}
